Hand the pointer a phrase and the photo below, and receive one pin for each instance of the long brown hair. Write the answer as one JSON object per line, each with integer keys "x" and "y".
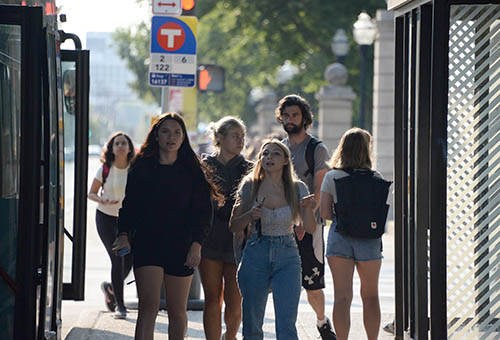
{"x": 288, "y": 176}
{"x": 107, "y": 155}
{"x": 151, "y": 150}
{"x": 354, "y": 150}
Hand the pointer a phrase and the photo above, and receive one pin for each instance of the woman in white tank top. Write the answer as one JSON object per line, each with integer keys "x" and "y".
{"x": 108, "y": 190}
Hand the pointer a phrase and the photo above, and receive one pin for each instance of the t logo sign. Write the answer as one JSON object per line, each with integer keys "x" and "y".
{"x": 171, "y": 36}
{"x": 172, "y": 61}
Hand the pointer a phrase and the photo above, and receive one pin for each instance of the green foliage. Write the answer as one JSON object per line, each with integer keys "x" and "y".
{"x": 133, "y": 46}
{"x": 251, "y": 39}
{"x": 242, "y": 52}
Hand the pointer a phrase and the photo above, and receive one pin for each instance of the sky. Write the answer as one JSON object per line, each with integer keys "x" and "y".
{"x": 100, "y": 15}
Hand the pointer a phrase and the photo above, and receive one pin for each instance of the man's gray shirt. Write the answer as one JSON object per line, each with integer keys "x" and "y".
{"x": 298, "y": 153}
{"x": 300, "y": 165}
{"x": 299, "y": 160}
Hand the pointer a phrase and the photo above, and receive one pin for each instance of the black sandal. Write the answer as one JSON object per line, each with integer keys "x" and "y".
{"x": 109, "y": 296}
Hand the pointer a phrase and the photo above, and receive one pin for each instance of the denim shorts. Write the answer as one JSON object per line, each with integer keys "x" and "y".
{"x": 358, "y": 249}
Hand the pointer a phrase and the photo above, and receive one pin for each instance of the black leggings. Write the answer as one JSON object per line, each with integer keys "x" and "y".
{"x": 120, "y": 266}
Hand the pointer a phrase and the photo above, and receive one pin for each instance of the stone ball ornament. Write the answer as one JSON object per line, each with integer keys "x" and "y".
{"x": 336, "y": 74}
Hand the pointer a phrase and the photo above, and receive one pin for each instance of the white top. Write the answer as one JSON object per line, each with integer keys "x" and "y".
{"x": 279, "y": 221}
{"x": 114, "y": 189}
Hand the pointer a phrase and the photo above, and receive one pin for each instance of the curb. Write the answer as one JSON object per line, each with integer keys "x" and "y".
{"x": 81, "y": 330}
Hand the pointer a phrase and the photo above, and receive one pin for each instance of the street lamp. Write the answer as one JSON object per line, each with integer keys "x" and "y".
{"x": 286, "y": 72}
{"x": 256, "y": 95}
{"x": 340, "y": 45}
{"x": 364, "y": 34}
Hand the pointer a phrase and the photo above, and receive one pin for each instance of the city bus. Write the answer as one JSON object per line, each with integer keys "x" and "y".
{"x": 44, "y": 102}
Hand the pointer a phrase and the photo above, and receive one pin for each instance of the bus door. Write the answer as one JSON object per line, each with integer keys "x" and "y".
{"x": 20, "y": 159}
{"x": 75, "y": 88}
{"x": 31, "y": 149}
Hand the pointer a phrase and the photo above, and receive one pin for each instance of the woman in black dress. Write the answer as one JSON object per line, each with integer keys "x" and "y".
{"x": 164, "y": 219}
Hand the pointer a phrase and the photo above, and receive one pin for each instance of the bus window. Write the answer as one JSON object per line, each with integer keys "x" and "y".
{"x": 69, "y": 89}
{"x": 68, "y": 70}
{"x": 10, "y": 114}
{"x": 75, "y": 78}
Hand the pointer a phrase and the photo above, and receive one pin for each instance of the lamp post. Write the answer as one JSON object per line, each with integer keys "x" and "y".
{"x": 264, "y": 100}
{"x": 340, "y": 45}
{"x": 256, "y": 95}
{"x": 286, "y": 72}
{"x": 364, "y": 34}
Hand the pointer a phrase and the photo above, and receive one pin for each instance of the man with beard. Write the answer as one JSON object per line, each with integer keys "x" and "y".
{"x": 295, "y": 115}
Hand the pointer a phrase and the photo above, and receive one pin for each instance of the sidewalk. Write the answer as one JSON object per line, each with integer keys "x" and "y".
{"x": 98, "y": 325}
{"x": 90, "y": 320}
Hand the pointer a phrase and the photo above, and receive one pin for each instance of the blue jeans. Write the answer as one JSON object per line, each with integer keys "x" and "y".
{"x": 270, "y": 262}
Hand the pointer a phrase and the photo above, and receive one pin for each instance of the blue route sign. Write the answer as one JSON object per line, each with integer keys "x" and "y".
{"x": 173, "y": 51}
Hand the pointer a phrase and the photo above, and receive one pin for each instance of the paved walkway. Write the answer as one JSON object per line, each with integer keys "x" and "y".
{"x": 98, "y": 325}
{"x": 90, "y": 320}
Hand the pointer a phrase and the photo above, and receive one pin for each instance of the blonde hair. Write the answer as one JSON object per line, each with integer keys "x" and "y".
{"x": 288, "y": 176}
{"x": 222, "y": 126}
{"x": 353, "y": 151}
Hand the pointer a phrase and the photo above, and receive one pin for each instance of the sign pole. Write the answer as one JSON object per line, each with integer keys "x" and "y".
{"x": 165, "y": 99}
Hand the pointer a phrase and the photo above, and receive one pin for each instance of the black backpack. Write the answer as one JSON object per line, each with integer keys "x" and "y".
{"x": 361, "y": 208}
{"x": 311, "y": 146}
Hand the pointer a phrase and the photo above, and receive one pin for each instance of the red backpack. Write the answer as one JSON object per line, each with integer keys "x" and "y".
{"x": 105, "y": 173}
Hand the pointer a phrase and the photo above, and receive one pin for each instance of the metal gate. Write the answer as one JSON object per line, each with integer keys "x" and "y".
{"x": 447, "y": 171}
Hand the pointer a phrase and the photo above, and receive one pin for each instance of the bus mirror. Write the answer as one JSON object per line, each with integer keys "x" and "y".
{"x": 69, "y": 88}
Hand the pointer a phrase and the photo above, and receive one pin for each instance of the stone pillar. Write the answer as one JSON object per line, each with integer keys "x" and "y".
{"x": 335, "y": 106}
{"x": 383, "y": 97}
{"x": 266, "y": 121}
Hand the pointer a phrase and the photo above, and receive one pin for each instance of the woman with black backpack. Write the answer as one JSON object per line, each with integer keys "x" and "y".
{"x": 108, "y": 190}
{"x": 354, "y": 198}
{"x": 218, "y": 265}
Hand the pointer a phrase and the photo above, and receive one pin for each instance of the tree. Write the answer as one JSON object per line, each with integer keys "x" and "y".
{"x": 251, "y": 39}
{"x": 301, "y": 31}
{"x": 133, "y": 46}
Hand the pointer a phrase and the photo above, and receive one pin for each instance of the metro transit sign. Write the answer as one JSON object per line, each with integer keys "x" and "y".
{"x": 173, "y": 51}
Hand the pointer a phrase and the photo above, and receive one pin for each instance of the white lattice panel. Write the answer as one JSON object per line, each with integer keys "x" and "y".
{"x": 473, "y": 207}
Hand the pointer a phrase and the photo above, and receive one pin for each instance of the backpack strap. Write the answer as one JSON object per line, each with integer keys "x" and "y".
{"x": 358, "y": 172}
{"x": 311, "y": 146}
{"x": 105, "y": 173}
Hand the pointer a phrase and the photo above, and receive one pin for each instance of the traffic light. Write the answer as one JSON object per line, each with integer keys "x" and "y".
{"x": 210, "y": 78}
{"x": 188, "y": 7}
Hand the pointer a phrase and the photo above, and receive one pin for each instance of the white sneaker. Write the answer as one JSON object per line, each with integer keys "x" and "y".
{"x": 389, "y": 328}
{"x": 121, "y": 313}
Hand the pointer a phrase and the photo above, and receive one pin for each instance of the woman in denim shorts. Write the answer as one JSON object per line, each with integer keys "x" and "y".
{"x": 344, "y": 253}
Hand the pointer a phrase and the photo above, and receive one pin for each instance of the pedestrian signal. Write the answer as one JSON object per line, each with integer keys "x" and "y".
{"x": 210, "y": 78}
{"x": 188, "y": 7}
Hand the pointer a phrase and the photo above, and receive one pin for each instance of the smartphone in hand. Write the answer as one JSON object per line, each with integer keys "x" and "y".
{"x": 123, "y": 251}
